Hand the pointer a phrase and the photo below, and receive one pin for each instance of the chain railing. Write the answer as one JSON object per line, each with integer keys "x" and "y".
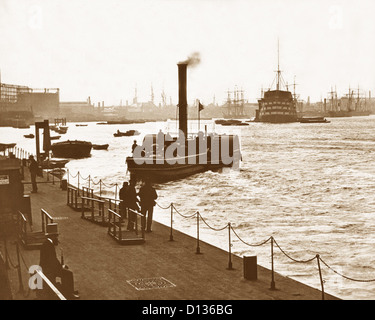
{"x": 270, "y": 239}
{"x": 231, "y": 229}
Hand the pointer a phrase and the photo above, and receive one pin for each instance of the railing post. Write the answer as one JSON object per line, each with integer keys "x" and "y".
{"x": 109, "y": 222}
{"x": 67, "y": 176}
{"x": 171, "y": 234}
{"x": 100, "y": 187}
{"x": 320, "y": 275}
{"x": 75, "y": 198}
{"x": 198, "y": 250}
{"x": 67, "y": 195}
{"x": 101, "y": 206}
{"x": 78, "y": 182}
{"x": 82, "y": 210}
{"x": 120, "y": 230}
{"x": 43, "y": 223}
{"x": 92, "y": 209}
{"x": 89, "y": 180}
{"x": 230, "y": 249}
{"x": 273, "y": 286}
{"x": 19, "y": 269}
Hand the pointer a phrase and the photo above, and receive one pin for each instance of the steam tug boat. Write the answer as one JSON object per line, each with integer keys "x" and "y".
{"x": 164, "y": 158}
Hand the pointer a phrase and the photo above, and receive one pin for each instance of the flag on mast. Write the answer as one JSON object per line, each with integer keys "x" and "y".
{"x": 200, "y": 106}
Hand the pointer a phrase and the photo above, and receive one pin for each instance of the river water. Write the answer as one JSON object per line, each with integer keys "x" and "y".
{"x": 310, "y": 186}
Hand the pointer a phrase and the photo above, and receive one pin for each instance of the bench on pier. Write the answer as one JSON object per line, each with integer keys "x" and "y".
{"x": 118, "y": 231}
{"x": 74, "y": 199}
{"x": 34, "y": 239}
{"x": 97, "y": 213}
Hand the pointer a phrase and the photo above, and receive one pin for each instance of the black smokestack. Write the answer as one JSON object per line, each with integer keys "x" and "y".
{"x": 193, "y": 60}
{"x": 182, "y": 99}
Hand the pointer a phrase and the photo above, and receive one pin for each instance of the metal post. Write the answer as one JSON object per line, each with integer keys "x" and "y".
{"x": 82, "y": 210}
{"x": 320, "y": 275}
{"x": 171, "y": 235}
{"x": 78, "y": 182}
{"x": 89, "y": 180}
{"x": 198, "y": 251}
{"x": 273, "y": 287}
{"x": 43, "y": 223}
{"x": 19, "y": 269}
{"x": 230, "y": 250}
{"x": 67, "y": 171}
{"x": 120, "y": 231}
{"x": 100, "y": 187}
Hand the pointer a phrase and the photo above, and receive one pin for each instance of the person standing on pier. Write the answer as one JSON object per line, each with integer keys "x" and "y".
{"x": 33, "y": 167}
{"x": 148, "y": 195}
{"x": 131, "y": 202}
{"x": 122, "y": 195}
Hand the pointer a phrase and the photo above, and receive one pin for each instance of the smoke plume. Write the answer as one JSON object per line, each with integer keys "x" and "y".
{"x": 193, "y": 60}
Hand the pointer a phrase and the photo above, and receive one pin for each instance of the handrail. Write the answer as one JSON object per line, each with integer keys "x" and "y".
{"x": 46, "y": 217}
{"x": 93, "y": 199}
{"x": 51, "y": 285}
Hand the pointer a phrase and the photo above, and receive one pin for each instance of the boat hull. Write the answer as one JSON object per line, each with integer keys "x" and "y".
{"x": 167, "y": 172}
{"x": 71, "y": 149}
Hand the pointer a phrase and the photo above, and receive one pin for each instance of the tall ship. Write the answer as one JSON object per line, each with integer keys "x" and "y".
{"x": 234, "y": 107}
{"x": 165, "y": 158}
{"x": 277, "y": 106}
{"x": 352, "y": 104}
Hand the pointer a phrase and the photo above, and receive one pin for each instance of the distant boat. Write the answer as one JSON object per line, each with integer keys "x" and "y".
{"x": 59, "y": 129}
{"x": 29, "y": 136}
{"x": 127, "y": 133}
{"x": 231, "y": 122}
{"x": 55, "y": 138}
{"x": 81, "y": 125}
{"x": 72, "y": 149}
{"x": 52, "y": 164}
{"x": 313, "y": 120}
{"x": 100, "y": 146}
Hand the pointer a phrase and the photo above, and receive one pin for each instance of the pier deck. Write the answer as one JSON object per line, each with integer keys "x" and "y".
{"x": 106, "y": 270}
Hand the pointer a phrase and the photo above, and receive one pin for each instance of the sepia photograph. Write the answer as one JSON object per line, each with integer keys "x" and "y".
{"x": 186, "y": 157}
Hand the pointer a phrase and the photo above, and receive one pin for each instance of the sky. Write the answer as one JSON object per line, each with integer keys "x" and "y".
{"x": 106, "y": 48}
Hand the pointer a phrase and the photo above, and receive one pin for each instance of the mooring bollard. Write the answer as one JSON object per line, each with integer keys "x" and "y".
{"x": 250, "y": 268}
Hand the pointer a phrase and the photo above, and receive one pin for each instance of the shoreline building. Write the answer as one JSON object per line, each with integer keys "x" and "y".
{"x": 21, "y": 105}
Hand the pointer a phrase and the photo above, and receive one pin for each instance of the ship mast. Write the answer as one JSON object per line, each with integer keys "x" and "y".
{"x": 278, "y": 66}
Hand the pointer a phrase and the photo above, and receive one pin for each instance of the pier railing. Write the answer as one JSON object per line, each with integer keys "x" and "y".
{"x": 97, "y": 214}
{"x": 115, "y": 229}
{"x": 271, "y": 240}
